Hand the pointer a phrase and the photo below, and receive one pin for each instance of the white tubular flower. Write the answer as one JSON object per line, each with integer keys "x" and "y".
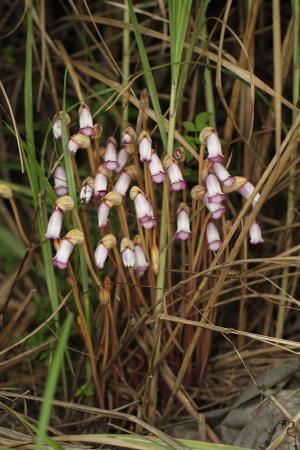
{"x": 86, "y": 126}
{"x": 246, "y": 191}
{"x": 143, "y": 208}
{"x": 156, "y": 169}
{"x": 110, "y": 154}
{"x": 217, "y": 209}
{"x": 60, "y": 181}
{"x": 63, "y": 254}
{"x": 87, "y": 190}
{"x": 122, "y": 184}
{"x": 222, "y": 174}
{"x": 183, "y": 222}
{"x": 54, "y": 224}
{"x": 255, "y": 234}
{"x": 213, "y": 238}
{"x": 122, "y": 159}
{"x": 106, "y": 243}
{"x": 100, "y": 182}
{"x": 65, "y": 248}
{"x": 101, "y": 253}
{"x": 141, "y": 263}
{"x": 145, "y": 148}
{"x": 129, "y": 136}
{"x": 103, "y": 212}
{"x": 209, "y": 136}
{"x": 127, "y": 251}
{"x": 177, "y": 182}
{"x": 214, "y": 192}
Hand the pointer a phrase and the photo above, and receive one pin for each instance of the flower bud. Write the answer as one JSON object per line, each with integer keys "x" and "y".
{"x": 63, "y": 254}
{"x": 198, "y": 192}
{"x": 65, "y": 203}
{"x": 5, "y": 191}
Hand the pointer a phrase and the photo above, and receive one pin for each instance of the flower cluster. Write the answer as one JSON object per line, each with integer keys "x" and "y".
{"x": 119, "y": 168}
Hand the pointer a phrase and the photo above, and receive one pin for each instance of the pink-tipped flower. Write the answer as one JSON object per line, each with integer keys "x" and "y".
{"x": 127, "y": 252}
{"x": 100, "y": 182}
{"x": 110, "y": 154}
{"x": 145, "y": 147}
{"x": 255, "y": 234}
{"x": 143, "y": 208}
{"x": 217, "y": 209}
{"x": 87, "y": 190}
{"x": 63, "y": 254}
{"x": 222, "y": 174}
{"x": 183, "y": 222}
{"x": 106, "y": 243}
{"x": 213, "y": 238}
{"x": 65, "y": 248}
{"x": 86, "y": 126}
{"x": 246, "y": 190}
{"x": 209, "y": 136}
{"x": 60, "y": 181}
{"x": 214, "y": 192}
{"x": 54, "y": 224}
{"x": 122, "y": 184}
{"x": 156, "y": 169}
{"x": 141, "y": 263}
{"x": 177, "y": 182}
{"x": 103, "y": 212}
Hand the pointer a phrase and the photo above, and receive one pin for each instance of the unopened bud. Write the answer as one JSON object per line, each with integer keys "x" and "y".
{"x": 75, "y": 237}
{"x": 109, "y": 241}
{"x": 5, "y": 191}
{"x": 65, "y": 203}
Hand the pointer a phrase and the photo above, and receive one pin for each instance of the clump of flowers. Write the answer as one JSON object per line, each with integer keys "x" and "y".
{"x": 136, "y": 162}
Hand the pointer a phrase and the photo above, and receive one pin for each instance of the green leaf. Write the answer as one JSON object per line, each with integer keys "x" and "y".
{"x": 189, "y": 126}
{"x": 201, "y": 120}
{"x": 41, "y": 435}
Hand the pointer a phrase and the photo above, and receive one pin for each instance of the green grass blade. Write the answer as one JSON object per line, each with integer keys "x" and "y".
{"x": 148, "y": 74}
{"x": 55, "y": 367}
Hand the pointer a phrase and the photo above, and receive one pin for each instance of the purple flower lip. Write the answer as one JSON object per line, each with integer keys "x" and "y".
{"x": 183, "y": 235}
{"x": 215, "y": 245}
{"x": 218, "y": 198}
{"x": 88, "y": 131}
{"x": 111, "y": 165}
{"x": 60, "y": 191}
{"x": 148, "y": 221}
{"x": 214, "y": 159}
{"x": 229, "y": 182}
{"x": 178, "y": 186}
{"x": 100, "y": 194}
{"x": 141, "y": 269}
{"x": 219, "y": 213}
{"x": 158, "y": 177}
{"x": 59, "y": 264}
